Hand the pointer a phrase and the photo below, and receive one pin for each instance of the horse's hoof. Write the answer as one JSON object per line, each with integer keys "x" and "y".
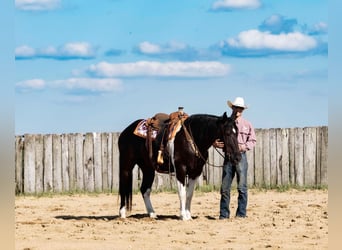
{"x": 186, "y": 217}
{"x": 122, "y": 213}
{"x": 153, "y": 215}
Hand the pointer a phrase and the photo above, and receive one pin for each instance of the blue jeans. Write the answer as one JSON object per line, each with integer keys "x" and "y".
{"x": 228, "y": 174}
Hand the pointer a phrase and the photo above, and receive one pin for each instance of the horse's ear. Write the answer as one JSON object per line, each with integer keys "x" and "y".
{"x": 225, "y": 116}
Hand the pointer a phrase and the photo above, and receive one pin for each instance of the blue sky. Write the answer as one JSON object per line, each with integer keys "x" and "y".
{"x": 96, "y": 66}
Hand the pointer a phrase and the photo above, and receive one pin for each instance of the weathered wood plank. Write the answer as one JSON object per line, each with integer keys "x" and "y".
{"x": 97, "y": 162}
{"x": 285, "y": 176}
{"x": 110, "y": 161}
{"x": 72, "y": 162}
{"x": 115, "y": 160}
{"x": 310, "y": 138}
{"x": 258, "y": 159}
{"x": 207, "y": 177}
{"x": 266, "y": 157}
{"x": 279, "y": 154}
{"x": 79, "y": 141}
{"x": 57, "y": 163}
{"x": 19, "y": 164}
{"x": 250, "y": 172}
{"x": 299, "y": 156}
{"x": 65, "y": 162}
{"x": 137, "y": 178}
{"x": 216, "y": 167}
{"x": 291, "y": 156}
{"x": 324, "y": 156}
{"x": 39, "y": 163}
{"x": 273, "y": 157}
{"x": 104, "y": 160}
{"x": 88, "y": 162}
{"x": 48, "y": 164}
{"x": 29, "y": 164}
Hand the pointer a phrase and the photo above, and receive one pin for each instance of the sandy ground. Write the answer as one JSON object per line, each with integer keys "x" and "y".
{"x": 276, "y": 220}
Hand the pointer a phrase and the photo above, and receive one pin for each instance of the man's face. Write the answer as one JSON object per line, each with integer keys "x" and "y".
{"x": 238, "y": 111}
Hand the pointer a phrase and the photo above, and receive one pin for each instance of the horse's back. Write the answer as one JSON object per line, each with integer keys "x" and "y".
{"x": 128, "y": 141}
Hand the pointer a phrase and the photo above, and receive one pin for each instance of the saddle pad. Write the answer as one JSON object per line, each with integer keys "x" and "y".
{"x": 141, "y": 130}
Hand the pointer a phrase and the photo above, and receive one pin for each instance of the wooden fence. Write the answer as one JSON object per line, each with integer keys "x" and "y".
{"x": 89, "y": 162}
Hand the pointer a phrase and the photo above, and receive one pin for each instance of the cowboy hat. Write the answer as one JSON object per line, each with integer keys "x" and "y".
{"x": 238, "y": 102}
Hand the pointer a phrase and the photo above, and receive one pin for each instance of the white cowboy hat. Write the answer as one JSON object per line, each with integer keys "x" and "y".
{"x": 238, "y": 102}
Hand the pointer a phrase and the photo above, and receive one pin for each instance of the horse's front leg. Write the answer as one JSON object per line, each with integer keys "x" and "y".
{"x": 189, "y": 195}
{"x": 182, "y": 199}
{"x": 145, "y": 189}
{"x": 185, "y": 196}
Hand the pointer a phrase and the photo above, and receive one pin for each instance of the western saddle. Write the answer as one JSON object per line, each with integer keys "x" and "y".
{"x": 166, "y": 125}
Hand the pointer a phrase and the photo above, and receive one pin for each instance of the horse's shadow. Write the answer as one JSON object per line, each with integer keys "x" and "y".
{"x": 117, "y": 217}
{"x": 86, "y": 217}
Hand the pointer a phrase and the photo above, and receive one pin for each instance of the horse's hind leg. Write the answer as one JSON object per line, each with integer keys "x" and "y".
{"x": 125, "y": 184}
{"x": 145, "y": 189}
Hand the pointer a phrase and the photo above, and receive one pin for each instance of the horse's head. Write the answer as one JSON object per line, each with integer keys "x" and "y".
{"x": 229, "y": 133}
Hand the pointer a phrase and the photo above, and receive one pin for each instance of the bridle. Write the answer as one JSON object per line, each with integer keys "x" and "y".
{"x": 194, "y": 147}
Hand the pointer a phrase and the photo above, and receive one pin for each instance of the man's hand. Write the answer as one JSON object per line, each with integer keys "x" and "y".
{"x": 242, "y": 148}
{"x": 218, "y": 144}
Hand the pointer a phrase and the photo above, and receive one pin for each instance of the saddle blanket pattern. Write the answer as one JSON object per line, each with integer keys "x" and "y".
{"x": 141, "y": 130}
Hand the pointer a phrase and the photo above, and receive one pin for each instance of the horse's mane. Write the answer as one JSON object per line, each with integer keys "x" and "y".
{"x": 203, "y": 116}
{"x": 200, "y": 117}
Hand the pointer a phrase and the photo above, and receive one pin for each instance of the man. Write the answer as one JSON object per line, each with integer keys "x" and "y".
{"x": 246, "y": 141}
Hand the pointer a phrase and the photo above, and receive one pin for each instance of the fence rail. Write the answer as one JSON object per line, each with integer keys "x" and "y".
{"x": 90, "y": 162}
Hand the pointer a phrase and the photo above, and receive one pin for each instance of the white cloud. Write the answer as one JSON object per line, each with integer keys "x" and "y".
{"x": 34, "y": 84}
{"x": 81, "y": 49}
{"x": 319, "y": 28}
{"x": 37, "y": 5}
{"x": 90, "y": 84}
{"x": 236, "y": 4}
{"x": 255, "y": 39}
{"x": 25, "y": 51}
{"x": 73, "y": 50}
{"x": 85, "y": 84}
{"x": 151, "y": 48}
{"x": 159, "y": 69}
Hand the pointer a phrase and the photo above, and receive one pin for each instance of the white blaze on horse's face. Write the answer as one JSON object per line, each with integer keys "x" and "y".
{"x": 234, "y": 131}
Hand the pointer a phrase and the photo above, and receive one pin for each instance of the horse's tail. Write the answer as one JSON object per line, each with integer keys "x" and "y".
{"x": 126, "y": 164}
{"x": 125, "y": 185}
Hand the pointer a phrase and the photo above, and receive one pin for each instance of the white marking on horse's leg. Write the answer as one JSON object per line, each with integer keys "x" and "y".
{"x": 180, "y": 186}
{"x": 148, "y": 204}
{"x": 182, "y": 199}
{"x": 171, "y": 149}
{"x": 189, "y": 194}
{"x": 122, "y": 212}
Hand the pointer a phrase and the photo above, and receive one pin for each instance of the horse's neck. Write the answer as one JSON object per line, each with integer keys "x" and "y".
{"x": 205, "y": 137}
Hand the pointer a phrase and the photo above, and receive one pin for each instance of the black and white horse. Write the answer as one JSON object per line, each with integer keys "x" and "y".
{"x": 186, "y": 153}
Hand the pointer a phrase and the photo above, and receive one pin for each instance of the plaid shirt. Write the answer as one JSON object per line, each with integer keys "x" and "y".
{"x": 246, "y": 134}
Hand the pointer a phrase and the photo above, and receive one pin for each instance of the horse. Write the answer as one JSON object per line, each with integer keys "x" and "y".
{"x": 185, "y": 155}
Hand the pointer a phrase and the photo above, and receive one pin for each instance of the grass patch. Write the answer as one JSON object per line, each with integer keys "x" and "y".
{"x": 198, "y": 189}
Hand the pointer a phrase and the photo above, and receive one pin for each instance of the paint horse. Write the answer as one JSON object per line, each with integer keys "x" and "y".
{"x": 185, "y": 155}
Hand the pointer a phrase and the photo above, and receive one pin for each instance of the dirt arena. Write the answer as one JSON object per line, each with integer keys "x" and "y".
{"x": 276, "y": 220}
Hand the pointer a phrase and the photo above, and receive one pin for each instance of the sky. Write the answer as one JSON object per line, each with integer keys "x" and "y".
{"x": 96, "y": 66}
